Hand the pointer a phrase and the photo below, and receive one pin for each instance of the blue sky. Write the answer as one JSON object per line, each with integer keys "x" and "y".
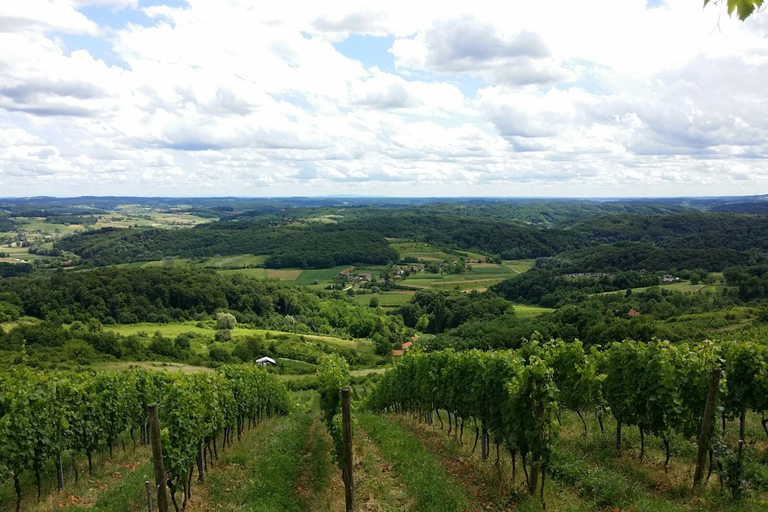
{"x": 153, "y": 97}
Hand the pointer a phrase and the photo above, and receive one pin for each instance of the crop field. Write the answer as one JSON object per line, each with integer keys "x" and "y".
{"x": 39, "y": 224}
{"x": 18, "y": 253}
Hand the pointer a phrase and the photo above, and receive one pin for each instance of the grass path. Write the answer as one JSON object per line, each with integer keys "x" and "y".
{"x": 491, "y": 487}
{"x": 260, "y": 474}
{"x": 427, "y": 486}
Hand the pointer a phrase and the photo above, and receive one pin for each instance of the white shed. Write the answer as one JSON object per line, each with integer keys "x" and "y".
{"x": 266, "y": 361}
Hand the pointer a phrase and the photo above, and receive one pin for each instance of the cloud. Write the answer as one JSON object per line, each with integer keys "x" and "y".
{"x": 44, "y": 15}
{"x": 467, "y": 45}
{"x": 351, "y": 23}
{"x": 484, "y": 99}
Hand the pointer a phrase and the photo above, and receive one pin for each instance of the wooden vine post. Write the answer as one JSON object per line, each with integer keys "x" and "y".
{"x": 706, "y": 428}
{"x": 148, "y": 488}
{"x": 157, "y": 458}
{"x": 346, "y": 422}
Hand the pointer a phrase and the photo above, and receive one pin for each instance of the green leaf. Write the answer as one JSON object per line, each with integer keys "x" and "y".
{"x": 743, "y": 8}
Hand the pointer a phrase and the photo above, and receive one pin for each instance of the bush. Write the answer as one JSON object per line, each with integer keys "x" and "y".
{"x": 219, "y": 354}
{"x": 226, "y": 321}
{"x": 79, "y": 351}
{"x": 223, "y": 336}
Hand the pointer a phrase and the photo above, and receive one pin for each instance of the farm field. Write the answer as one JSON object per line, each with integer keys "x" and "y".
{"x": 18, "y": 253}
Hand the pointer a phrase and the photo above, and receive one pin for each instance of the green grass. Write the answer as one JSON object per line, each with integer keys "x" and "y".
{"x": 262, "y": 470}
{"x": 419, "y": 250}
{"x": 526, "y": 311}
{"x": 520, "y": 265}
{"x": 324, "y": 274}
{"x": 128, "y": 495}
{"x": 386, "y": 299}
{"x": 39, "y": 224}
{"x": 424, "y": 478}
{"x": 234, "y": 261}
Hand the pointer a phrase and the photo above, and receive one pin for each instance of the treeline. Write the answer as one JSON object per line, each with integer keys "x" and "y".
{"x": 316, "y": 246}
{"x": 14, "y": 269}
{"x": 751, "y": 280}
{"x": 601, "y": 319}
{"x": 86, "y": 220}
{"x": 679, "y": 231}
{"x": 537, "y": 211}
{"x": 162, "y": 295}
{"x": 554, "y": 287}
{"x": 643, "y": 256}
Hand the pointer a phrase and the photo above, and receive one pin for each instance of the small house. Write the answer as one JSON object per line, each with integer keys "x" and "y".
{"x": 266, "y": 361}
{"x": 632, "y": 313}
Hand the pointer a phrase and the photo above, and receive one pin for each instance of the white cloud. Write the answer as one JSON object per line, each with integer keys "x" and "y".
{"x": 43, "y": 15}
{"x": 488, "y": 99}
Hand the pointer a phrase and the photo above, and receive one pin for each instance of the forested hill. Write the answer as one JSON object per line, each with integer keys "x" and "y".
{"x": 538, "y": 211}
{"x": 507, "y": 239}
{"x": 681, "y": 231}
{"x": 361, "y": 239}
{"x": 317, "y": 246}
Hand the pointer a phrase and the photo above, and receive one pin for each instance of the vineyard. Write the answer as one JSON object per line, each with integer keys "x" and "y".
{"x": 550, "y": 425}
{"x": 46, "y": 415}
{"x": 513, "y": 397}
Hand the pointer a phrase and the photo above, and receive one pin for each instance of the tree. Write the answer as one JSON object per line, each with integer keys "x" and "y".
{"x": 422, "y": 323}
{"x": 225, "y": 321}
{"x": 374, "y": 303}
{"x": 744, "y": 8}
{"x": 381, "y": 345}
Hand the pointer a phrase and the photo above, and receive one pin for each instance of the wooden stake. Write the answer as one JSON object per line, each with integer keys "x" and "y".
{"x": 148, "y": 488}
{"x": 157, "y": 458}
{"x": 346, "y": 433}
{"x": 706, "y": 427}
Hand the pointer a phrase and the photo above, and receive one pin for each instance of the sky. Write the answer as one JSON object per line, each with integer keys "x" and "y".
{"x": 604, "y": 98}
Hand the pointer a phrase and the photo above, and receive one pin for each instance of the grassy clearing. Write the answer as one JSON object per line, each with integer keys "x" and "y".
{"x": 151, "y": 366}
{"x": 386, "y": 299}
{"x": 684, "y": 287}
{"x": 525, "y": 310}
{"x": 425, "y": 480}
{"x": 519, "y": 266}
{"x": 234, "y": 261}
{"x": 419, "y": 250}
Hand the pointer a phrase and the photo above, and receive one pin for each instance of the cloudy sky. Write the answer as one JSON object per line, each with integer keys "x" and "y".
{"x": 397, "y": 98}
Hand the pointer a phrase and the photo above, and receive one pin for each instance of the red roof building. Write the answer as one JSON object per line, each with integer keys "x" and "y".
{"x": 632, "y": 313}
